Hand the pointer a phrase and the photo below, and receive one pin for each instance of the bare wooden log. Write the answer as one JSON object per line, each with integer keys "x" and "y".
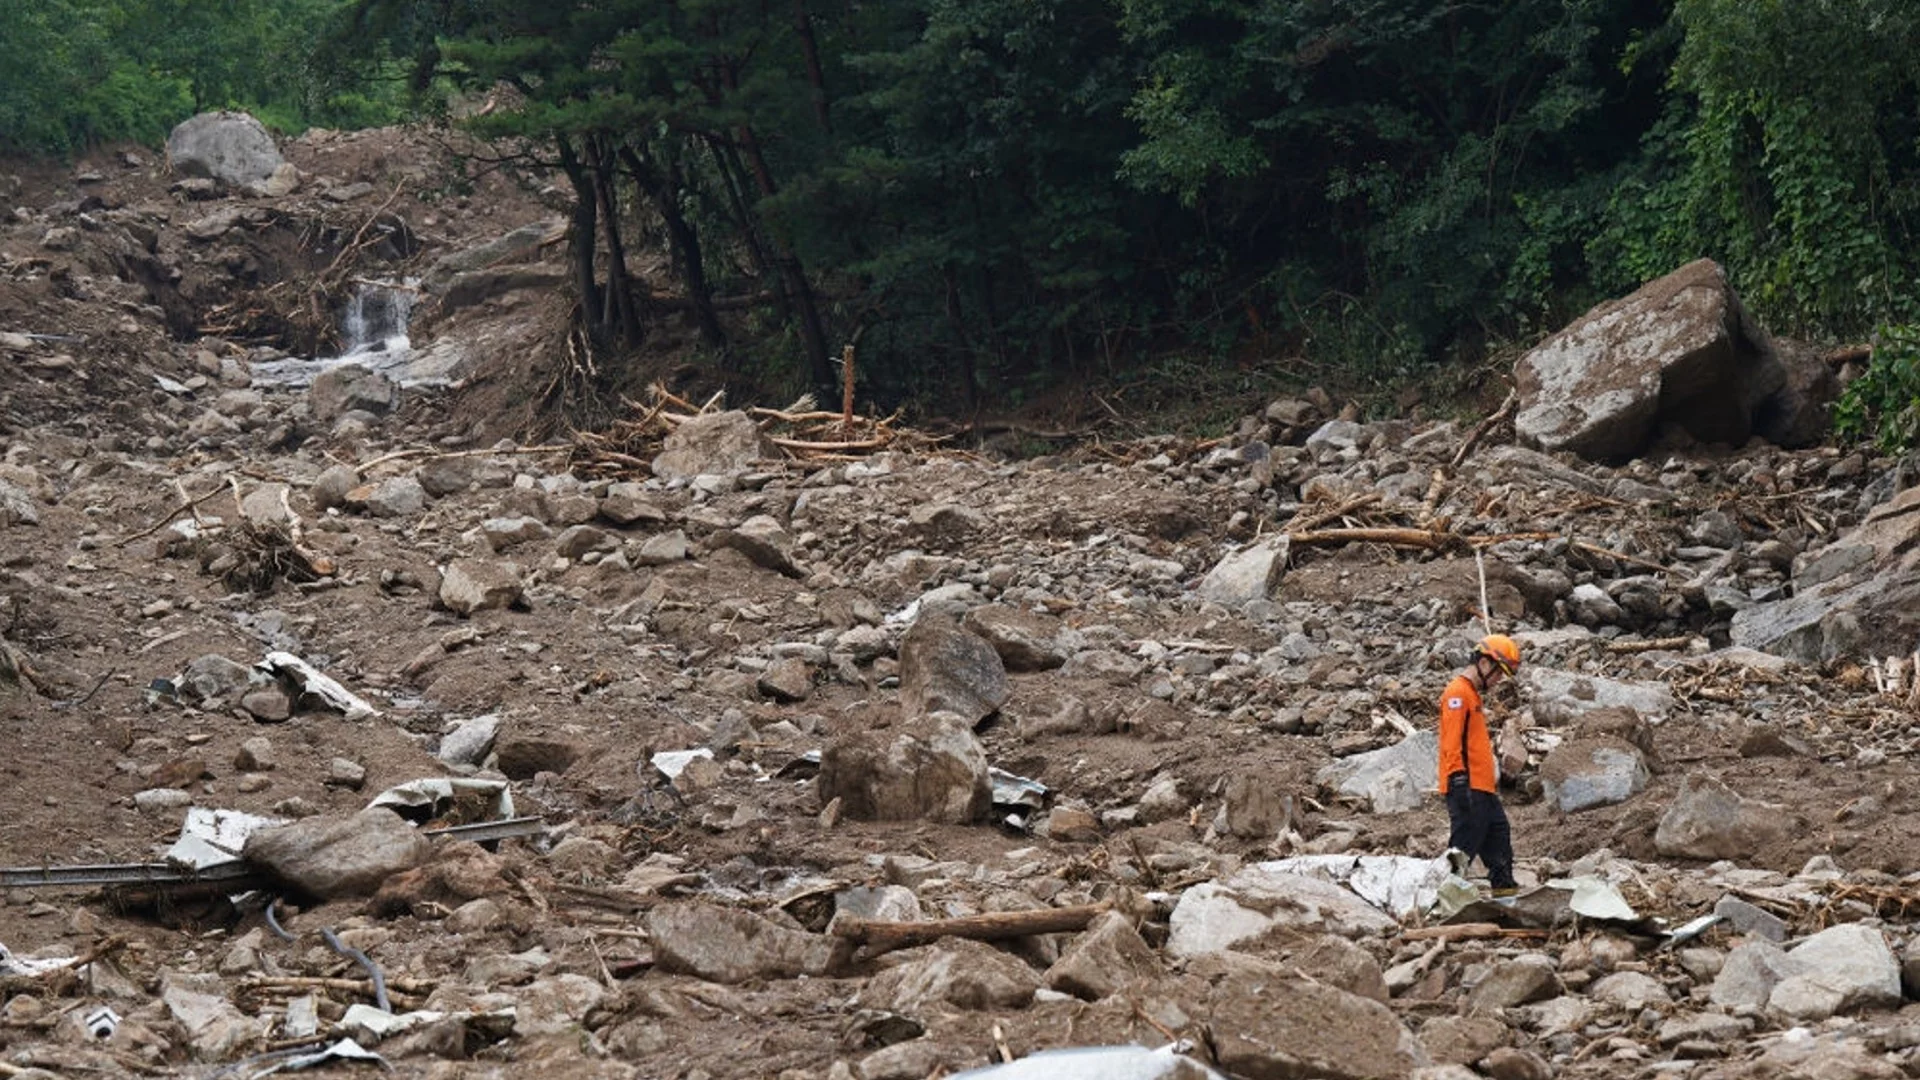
{"x": 1468, "y": 932}
{"x": 828, "y": 447}
{"x": 1397, "y": 537}
{"x": 443, "y": 455}
{"x": 1649, "y": 645}
{"x": 878, "y": 936}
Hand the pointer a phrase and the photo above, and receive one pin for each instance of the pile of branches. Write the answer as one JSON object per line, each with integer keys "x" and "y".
{"x": 802, "y": 432}
{"x": 245, "y": 554}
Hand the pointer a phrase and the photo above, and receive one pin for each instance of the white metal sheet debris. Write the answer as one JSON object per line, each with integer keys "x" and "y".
{"x": 344, "y": 1050}
{"x": 672, "y": 762}
{"x": 1593, "y": 898}
{"x": 1399, "y": 885}
{"x": 20, "y": 965}
{"x": 212, "y": 836}
{"x": 430, "y": 797}
{"x": 1100, "y": 1063}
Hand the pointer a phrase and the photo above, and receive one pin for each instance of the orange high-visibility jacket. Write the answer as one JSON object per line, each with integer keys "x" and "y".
{"x": 1464, "y": 742}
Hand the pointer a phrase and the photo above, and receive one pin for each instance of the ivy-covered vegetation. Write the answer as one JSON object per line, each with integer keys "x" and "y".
{"x": 994, "y": 196}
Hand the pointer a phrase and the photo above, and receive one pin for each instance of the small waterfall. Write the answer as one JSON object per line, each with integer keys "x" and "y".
{"x": 375, "y": 318}
{"x": 373, "y": 335}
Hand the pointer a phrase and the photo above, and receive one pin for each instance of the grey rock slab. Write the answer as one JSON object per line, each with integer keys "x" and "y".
{"x": 1106, "y": 957}
{"x": 763, "y": 541}
{"x": 1751, "y": 919}
{"x": 1630, "y": 990}
{"x": 521, "y": 245}
{"x": 663, "y": 549}
{"x": 1748, "y": 976}
{"x": 725, "y": 444}
{"x": 470, "y": 743}
{"x": 1463, "y": 1040}
{"x": 1840, "y": 969}
{"x": 1561, "y": 697}
{"x": 1706, "y": 1026}
{"x": 267, "y": 507}
{"x": 216, "y": 1029}
{"x": 501, "y": 533}
{"x": 351, "y": 388}
{"x": 728, "y": 945}
{"x": 473, "y": 585}
{"x": 330, "y": 488}
{"x": 1709, "y": 820}
{"x": 1581, "y": 774}
{"x": 230, "y": 147}
{"x": 1520, "y": 981}
{"x": 1025, "y": 640}
{"x": 627, "y": 504}
{"x": 555, "y": 1004}
{"x": 578, "y": 540}
{"x": 787, "y": 680}
{"x": 17, "y": 506}
{"x": 1246, "y": 575}
{"x": 1214, "y": 916}
{"x": 944, "y": 668}
{"x": 394, "y": 497}
{"x": 1391, "y": 779}
{"x": 968, "y": 975}
{"x": 930, "y": 768}
{"x": 1680, "y": 348}
{"x": 1267, "y": 1023}
{"x": 1255, "y": 806}
{"x": 339, "y": 855}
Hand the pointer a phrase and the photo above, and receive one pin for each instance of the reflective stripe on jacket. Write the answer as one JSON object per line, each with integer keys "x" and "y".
{"x": 1464, "y": 742}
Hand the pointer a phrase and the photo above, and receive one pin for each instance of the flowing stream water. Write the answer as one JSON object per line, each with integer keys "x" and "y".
{"x": 373, "y": 334}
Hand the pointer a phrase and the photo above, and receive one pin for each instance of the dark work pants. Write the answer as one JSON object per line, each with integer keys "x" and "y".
{"x": 1480, "y": 829}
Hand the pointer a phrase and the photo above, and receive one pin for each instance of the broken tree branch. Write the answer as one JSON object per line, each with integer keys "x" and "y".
{"x": 189, "y": 504}
{"x": 879, "y": 936}
{"x": 1481, "y": 429}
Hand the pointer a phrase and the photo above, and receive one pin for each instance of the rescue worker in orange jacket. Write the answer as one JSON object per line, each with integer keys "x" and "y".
{"x": 1468, "y": 776}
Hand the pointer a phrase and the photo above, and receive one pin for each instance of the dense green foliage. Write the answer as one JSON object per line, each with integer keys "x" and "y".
{"x": 992, "y": 196}
{"x": 78, "y": 72}
{"x": 1884, "y": 403}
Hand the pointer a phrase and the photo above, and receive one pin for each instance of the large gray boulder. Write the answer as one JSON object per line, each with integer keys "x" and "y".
{"x": 1580, "y": 774}
{"x": 522, "y": 245}
{"x": 1215, "y": 916}
{"x": 334, "y": 856}
{"x": 1267, "y": 1021}
{"x": 1246, "y": 575}
{"x": 1709, "y": 820}
{"x": 723, "y": 443}
{"x": 230, "y": 147}
{"x": 727, "y": 945}
{"x": 1392, "y": 778}
{"x": 930, "y": 768}
{"x": 943, "y": 668}
{"x": 1679, "y": 350}
{"x": 1859, "y": 594}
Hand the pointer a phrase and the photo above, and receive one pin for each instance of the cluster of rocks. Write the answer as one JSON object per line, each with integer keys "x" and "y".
{"x": 755, "y": 702}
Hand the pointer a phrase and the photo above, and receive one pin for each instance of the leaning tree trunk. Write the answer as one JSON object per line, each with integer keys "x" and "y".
{"x": 813, "y": 334}
{"x": 663, "y": 185}
{"x": 582, "y": 233}
{"x": 622, "y": 320}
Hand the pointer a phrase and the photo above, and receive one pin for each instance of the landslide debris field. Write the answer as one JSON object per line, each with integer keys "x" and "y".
{"x": 1153, "y": 718}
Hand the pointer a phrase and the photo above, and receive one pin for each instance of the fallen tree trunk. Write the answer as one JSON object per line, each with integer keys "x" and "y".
{"x": 1398, "y": 537}
{"x": 879, "y": 936}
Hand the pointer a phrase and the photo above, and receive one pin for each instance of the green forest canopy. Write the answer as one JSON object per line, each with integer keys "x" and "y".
{"x": 995, "y": 195}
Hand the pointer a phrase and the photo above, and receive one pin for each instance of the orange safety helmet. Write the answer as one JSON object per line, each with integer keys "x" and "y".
{"x": 1500, "y": 649}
